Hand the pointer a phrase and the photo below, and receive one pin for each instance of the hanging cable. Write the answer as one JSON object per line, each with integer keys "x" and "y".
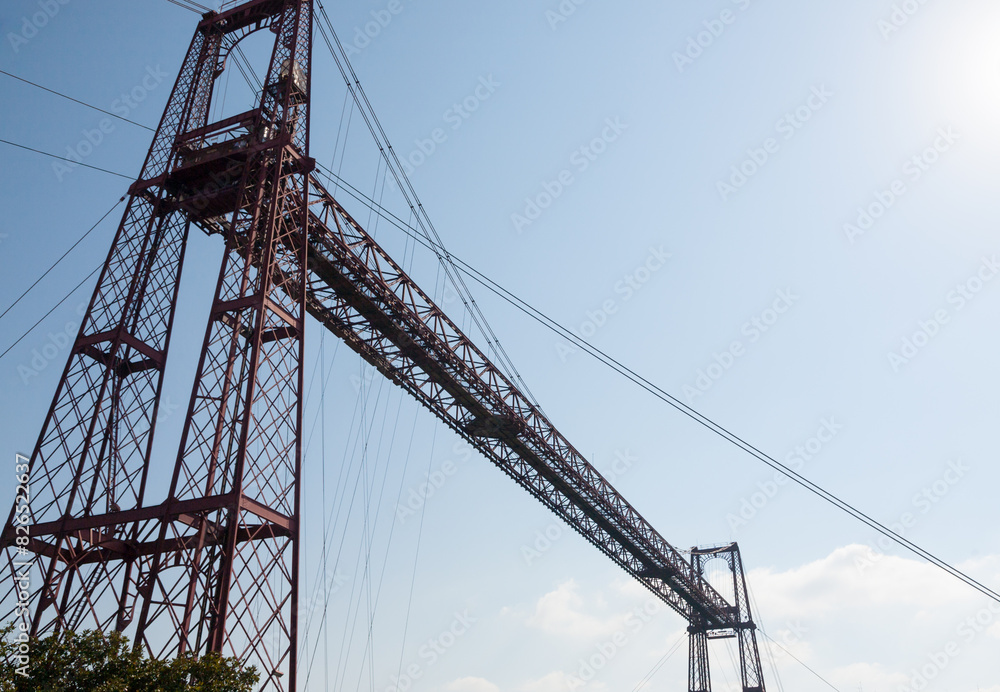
{"x": 672, "y": 401}
{"x": 409, "y": 193}
{"x": 322, "y": 456}
{"x": 364, "y": 435}
{"x": 449, "y": 260}
{"x": 42, "y": 318}
{"x": 659, "y": 664}
{"x": 416, "y": 558}
{"x": 373, "y": 521}
{"x": 760, "y": 625}
{"x": 252, "y": 80}
{"x": 61, "y": 258}
{"x": 63, "y": 158}
{"x": 242, "y": 70}
{"x": 364, "y": 432}
{"x": 346, "y": 132}
{"x": 367, "y": 532}
{"x": 732, "y": 657}
{"x": 719, "y": 667}
{"x": 191, "y": 5}
{"x": 368, "y": 654}
{"x": 824, "y": 680}
{"x": 329, "y": 523}
{"x": 399, "y": 495}
{"x": 322, "y": 569}
{"x": 691, "y": 413}
{"x": 70, "y": 98}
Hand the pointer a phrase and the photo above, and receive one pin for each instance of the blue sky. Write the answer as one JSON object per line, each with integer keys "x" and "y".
{"x": 791, "y": 224}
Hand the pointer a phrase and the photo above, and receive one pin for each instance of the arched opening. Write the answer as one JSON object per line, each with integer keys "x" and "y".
{"x": 239, "y": 85}
{"x": 253, "y": 104}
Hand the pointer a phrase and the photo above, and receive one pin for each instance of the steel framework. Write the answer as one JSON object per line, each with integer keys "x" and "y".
{"x": 742, "y": 627}
{"x": 214, "y": 567}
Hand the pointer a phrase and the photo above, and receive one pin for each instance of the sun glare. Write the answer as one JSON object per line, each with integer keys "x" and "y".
{"x": 971, "y": 71}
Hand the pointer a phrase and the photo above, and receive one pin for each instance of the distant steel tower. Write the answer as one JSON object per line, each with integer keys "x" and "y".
{"x": 742, "y": 627}
{"x": 214, "y": 567}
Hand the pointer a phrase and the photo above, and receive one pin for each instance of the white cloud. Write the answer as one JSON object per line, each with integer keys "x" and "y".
{"x": 868, "y": 676}
{"x": 852, "y": 578}
{"x": 852, "y": 619}
{"x": 873, "y": 622}
{"x": 557, "y": 681}
{"x": 564, "y": 612}
{"x": 471, "y": 685}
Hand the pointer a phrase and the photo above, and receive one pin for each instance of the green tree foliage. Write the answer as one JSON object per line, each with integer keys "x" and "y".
{"x": 98, "y": 662}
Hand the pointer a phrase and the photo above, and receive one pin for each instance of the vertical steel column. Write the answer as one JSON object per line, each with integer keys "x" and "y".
{"x": 750, "y": 666}
{"x": 742, "y": 626}
{"x": 224, "y": 578}
{"x": 215, "y": 567}
{"x": 92, "y": 455}
{"x": 699, "y": 678}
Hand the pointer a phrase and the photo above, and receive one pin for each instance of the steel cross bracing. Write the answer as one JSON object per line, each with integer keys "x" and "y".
{"x": 363, "y": 296}
{"x": 744, "y": 630}
{"x": 215, "y": 566}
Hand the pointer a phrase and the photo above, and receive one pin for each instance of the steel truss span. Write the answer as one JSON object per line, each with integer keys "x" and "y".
{"x": 214, "y": 566}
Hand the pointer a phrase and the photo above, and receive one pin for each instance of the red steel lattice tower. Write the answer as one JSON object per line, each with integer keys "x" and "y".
{"x": 740, "y": 627}
{"x": 214, "y": 568}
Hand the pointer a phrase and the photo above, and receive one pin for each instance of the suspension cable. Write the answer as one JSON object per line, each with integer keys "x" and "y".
{"x": 704, "y": 421}
{"x": 431, "y": 240}
{"x": 410, "y": 195}
{"x": 61, "y": 258}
